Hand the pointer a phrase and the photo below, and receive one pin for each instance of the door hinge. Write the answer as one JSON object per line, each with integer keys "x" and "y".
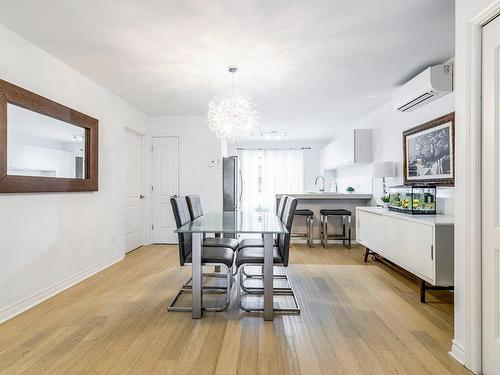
{"x": 152, "y": 188}
{"x": 152, "y": 227}
{"x": 151, "y": 148}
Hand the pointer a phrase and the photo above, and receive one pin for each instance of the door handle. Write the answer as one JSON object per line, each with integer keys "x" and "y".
{"x": 142, "y": 196}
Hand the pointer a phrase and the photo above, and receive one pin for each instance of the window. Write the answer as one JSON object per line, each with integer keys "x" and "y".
{"x": 267, "y": 173}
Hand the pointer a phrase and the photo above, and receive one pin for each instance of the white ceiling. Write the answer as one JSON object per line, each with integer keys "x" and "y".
{"x": 309, "y": 65}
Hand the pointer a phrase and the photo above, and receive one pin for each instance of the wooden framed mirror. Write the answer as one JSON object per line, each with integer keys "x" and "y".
{"x": 45, "y": 146}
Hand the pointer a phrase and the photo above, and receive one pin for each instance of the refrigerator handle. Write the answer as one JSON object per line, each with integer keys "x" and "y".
{"x": 241, "y": 189}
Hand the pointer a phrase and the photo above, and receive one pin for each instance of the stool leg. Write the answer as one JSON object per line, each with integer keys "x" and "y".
{"x": 311, "y": 227}
{"x": 307, "y": 230}
{"x": 349, "y": 237}
{"x": 349, "y": 220}
{"x": 325, "y": 231}
{"x": 308, "y": 234}
{"x": 343, "y": 230}
{"x": 321, "y": 229}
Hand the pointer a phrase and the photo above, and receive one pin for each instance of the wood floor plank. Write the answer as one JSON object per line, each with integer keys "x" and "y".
{"x": 357, "y": 318}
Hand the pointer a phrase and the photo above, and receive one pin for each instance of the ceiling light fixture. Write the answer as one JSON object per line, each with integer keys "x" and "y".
{"x": 273, "y": 134}
{"x": 231, "y": 116}
{"x": 77, "y": 138}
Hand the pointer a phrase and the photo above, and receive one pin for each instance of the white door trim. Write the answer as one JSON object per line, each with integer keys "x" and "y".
{"x": 471, "y": 354}
{"x": 145, "y": 184}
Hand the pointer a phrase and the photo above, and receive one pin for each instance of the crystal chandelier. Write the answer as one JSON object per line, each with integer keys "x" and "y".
{"x": 231, "y": 116}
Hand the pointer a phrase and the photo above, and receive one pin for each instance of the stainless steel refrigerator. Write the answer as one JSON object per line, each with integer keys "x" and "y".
{"x": 232, "y": 183}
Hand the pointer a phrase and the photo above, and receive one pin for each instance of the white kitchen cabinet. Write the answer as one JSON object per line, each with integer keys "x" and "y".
{"x": 28, "y": 159}
{"x": 353, "y": 146}
{"x": 422, "y": 245}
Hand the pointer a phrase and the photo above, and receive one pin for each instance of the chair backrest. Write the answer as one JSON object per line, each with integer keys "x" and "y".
{"x": 284, "y": 239}
{"x": 281, "y": 206}
{"x": 182, "y": 216}
{"x": 194, "y": 205}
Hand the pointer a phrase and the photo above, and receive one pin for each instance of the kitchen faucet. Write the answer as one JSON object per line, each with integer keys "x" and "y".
{"x": 322, "y": 190}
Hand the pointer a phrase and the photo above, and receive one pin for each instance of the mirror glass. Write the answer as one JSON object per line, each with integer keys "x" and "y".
{"x": 42, "y": 146}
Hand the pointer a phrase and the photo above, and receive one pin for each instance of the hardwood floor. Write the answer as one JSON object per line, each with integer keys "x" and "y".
{"x": 356, "y": 319}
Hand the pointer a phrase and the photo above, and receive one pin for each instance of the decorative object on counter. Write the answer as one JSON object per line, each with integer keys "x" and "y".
{"x": 382, "y": 170}
{"x": 415, "y": 200}
{"x": 385, "y": 200}
{"x": 350, "y": 189}
{"x": 335, "y": 187}
{"x": 230, "y": 115}
{"x": 429, "y": 152}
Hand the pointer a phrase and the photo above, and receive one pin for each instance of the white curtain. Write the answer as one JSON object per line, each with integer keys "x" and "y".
{"x": 267, "y": 173}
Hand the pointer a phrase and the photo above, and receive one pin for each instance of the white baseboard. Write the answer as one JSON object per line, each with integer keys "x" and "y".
{"x": 317, "y": 241}
{"x": 18, "y": 307}
{"x": 458, "y": 352}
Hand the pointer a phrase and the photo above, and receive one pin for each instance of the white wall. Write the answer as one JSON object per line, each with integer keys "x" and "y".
{"x": 388, "y": 126}
{"x": 50, "y": 241}
{"x": 311, "y": 157}
{"x": 465, "y": 12}
{"x": 29, "y": 160}
{"x": 197, "y": 146}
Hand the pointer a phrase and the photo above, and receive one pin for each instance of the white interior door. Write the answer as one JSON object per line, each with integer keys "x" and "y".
{"x": 134, "y": 185}
{"x": 491, "y": 197}
{"x": 165, "y": 185}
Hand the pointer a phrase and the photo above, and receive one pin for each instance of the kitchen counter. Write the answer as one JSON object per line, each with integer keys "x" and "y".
{"x": 327, "y": 195}
{"x": 317, "y": 201}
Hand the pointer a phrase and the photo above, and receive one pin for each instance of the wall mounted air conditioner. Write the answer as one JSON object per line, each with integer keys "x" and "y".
{"x": 433, "y": 82}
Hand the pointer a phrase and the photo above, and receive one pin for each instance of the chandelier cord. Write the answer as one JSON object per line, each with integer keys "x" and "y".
{"x": 234, "y": 89}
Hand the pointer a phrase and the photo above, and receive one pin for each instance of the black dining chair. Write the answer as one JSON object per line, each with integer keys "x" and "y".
{"x": 210, "y": 256}
{"x": 195, "y": 211}
{"x": 259, "y": 242}
{"x": 254, "y": 256}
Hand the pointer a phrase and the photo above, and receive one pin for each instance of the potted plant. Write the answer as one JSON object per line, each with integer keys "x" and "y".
{"x": 350, "y": 189}
{"x": 385, "y": 200}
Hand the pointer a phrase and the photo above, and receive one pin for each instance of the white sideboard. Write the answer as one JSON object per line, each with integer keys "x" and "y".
{"x": 422, "y": 245}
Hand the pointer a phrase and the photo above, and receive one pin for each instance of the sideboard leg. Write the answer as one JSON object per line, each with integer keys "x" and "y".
{"x": 422, "y": 291}
{"x": 367, "y": 252}
{"x": 424, "y": 287}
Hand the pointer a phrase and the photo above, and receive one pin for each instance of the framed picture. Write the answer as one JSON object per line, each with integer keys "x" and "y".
{"x": 429, "y": 153}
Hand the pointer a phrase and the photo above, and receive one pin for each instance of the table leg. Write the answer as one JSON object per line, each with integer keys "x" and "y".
{"x": 268, "y": 277}
{"x": 197, "y": 291}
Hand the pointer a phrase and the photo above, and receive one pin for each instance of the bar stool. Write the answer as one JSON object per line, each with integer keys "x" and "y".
{"x": 309, "y": 216}
{"x": 346, "y": 219}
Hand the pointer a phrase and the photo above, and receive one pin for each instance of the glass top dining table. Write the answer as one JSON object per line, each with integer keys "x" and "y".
{"x": 266, "y": 223}
{"x": 235, "y": 222}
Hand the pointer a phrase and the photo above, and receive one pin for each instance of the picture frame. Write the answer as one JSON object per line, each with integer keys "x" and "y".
{"x": 429, "y": 153}
{"x": 18, "y": 97}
